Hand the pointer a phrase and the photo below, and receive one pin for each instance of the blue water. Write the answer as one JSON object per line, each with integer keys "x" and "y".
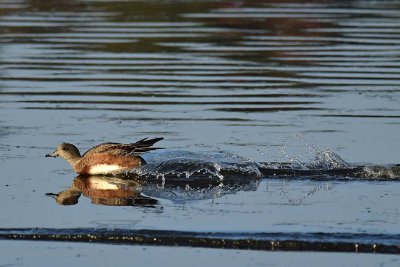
{"x": 243, "y": 93}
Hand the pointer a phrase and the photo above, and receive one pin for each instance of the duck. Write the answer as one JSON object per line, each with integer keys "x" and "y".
{"x": 106, "y": 158}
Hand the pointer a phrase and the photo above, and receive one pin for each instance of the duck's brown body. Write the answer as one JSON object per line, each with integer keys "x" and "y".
{"x": 107, "y": 158}
{"x": 105, "y": 163}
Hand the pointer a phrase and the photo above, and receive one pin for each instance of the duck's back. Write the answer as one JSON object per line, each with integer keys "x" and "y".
{"x": 109, "y": 158}
{"x": 133, "y": 149}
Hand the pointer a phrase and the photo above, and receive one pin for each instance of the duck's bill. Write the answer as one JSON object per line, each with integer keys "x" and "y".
{"x": 52, "y": 195}
{"x": 52, "y": 155}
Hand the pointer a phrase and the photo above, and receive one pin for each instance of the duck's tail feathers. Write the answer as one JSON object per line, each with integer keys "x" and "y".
{"x": 146, "y": 144}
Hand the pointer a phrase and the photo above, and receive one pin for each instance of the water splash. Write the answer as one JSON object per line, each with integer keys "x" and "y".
{"x": 326, "y": 158}
{"x": 216, "y": 166}
{"x": 301, "y": 161}
{"x": 299, "y": 154}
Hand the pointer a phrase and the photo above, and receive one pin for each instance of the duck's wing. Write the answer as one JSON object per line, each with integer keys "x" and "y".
{"x": 118, "y": 149}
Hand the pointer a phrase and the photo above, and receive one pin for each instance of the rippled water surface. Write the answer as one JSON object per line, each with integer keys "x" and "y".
{"x": 281, "y": 120}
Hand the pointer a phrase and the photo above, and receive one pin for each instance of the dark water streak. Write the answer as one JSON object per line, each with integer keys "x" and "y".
{"x": 372, "y": 172}
{"x": 328, "y": 242}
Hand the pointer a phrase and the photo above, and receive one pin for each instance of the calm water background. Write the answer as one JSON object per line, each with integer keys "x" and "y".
{"x": 265, "y": 80}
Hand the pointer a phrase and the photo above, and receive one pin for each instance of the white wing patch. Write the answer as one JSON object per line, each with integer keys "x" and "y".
{"x": 104, "y": 169}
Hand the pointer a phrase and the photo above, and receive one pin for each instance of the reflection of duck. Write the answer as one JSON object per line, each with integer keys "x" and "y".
{"x": 130, "y": 191}
{"x": 105, "y": 158}
{"x": 103, "y": 190}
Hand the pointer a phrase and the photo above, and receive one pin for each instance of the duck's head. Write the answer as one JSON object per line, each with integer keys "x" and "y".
{"x": 66, "y": 151}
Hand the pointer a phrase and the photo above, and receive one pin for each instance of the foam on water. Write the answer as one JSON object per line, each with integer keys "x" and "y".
{"x": 389, "y": 172}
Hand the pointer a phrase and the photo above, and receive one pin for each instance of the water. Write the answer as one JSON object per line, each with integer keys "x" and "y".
{"x": 278, "y": 117}
{"x": 40, "y": 253}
